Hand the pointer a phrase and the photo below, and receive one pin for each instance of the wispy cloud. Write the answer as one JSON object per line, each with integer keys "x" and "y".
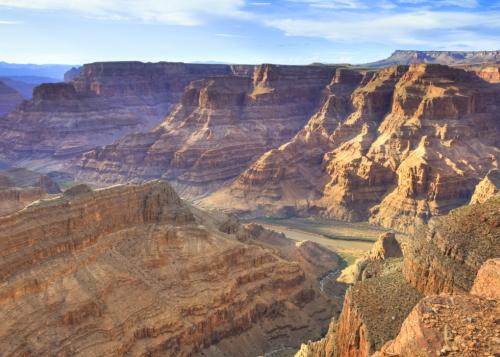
{"x": 8, "y": 22}
{"x": 334, "y": 4}
{"x": 420, "y": 28}
{"x": 457, "y": 3}
{"x": 186, "y": 12}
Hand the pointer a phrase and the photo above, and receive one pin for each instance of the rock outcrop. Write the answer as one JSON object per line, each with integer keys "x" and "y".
{"x": 416, "y": 142}
{"x": 453, "y": 325}
{"x": 19, "y": 187}
{"x": 221, "y": 125}
{"x": 9, "y": 99}
{"x": 103, "y": 103}
{"x": 402, "y": 57}
{"x": 135, "y": 270}
{"x": 446, "y": 255}
{"x": 487, "y": 188}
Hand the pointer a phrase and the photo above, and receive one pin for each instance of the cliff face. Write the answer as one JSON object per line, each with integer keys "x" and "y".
{"x": 406, "y": 144}
{"x": 453, "y": 325}
{"x": 105, "y": 102}
{"x": 438, "y": 57}
{"x": 9, "y": 99}
{"x": 446, "y": 255}
{"x": 134, "y": 270}
{"x": 19, "y": 187}
{"x": 220, "y": 126}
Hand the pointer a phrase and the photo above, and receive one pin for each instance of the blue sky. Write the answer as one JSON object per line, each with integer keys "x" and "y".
{"x": 240, "y": 31}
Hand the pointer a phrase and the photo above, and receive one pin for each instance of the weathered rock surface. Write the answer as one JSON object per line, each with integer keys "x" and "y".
{"x": 446, "y": 255}
{"x": 106, "y": 101}
{"x": 221, "y": 125}
{"x": 134, "y": 270}
{"x": 415, "y": 143}
{"x": 402, "y": 57}
{"x": 489, "y": 73}
{"x": 454, "y": 325}
{"x": 487, "y": 188}
{"x": 9, "y": 99}
{"x": 19, "y": 187}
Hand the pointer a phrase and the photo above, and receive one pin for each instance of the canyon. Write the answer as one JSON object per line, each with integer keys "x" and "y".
{"x": 9, "y": 98}
{"x": 141, "y": 206}
{"x": 394, "y": 146}
{"x": 136, "y": 270}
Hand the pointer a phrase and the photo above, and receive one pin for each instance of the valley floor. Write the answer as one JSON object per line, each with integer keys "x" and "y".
{"x": 350, "y": 240}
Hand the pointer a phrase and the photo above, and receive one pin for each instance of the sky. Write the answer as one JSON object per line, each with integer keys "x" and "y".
{"x": 240, "y": 31}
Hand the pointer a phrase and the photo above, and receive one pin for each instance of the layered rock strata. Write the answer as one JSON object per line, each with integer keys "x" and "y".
{"x": 134, "y": 270}
{"x": 9, "y": 99}
{"x": 407, "y": 144}
{"x": 104, "y": 102}
{"x": 402, "y": 57}
{"x": 221, "y": 125}
{"x": 19, "y": 187}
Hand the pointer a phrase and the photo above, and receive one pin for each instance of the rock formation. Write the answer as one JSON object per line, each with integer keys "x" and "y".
{"x": 19, "y": 187}
{"x": 451, "y": 259}
{"x": 135, "y": 270}
{"x": 446, "y": 255}
{"x": 415, "y": 142}
{"x": 487, "y": 188}
{"x": 106, "y": 101}
{"x": 453, "y": 325}
{"x": 401, "y": 57}
{"x": 9, "y": 99}
{"x": 221, "y": 125}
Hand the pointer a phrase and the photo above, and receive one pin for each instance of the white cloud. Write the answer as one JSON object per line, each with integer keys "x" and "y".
{"x": 8, "y": 22}
{"x": 458, "y": 3}
{"x": 423, "y": 28}
{"x": 178, "y": 12}
{"x": 334, "y": 4}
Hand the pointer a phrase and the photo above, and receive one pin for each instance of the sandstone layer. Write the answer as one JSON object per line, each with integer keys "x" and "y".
{"x": 406, "y": 144}
{"x": 135, "y": 270}
{"x": 19, "y": 187}
{"x": 103, "y": 103}
{"x": 9, "y": 99}
{"x": 221, "y": 125}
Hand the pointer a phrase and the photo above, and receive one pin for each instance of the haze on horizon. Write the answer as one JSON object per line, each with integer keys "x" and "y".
{"x": 241, "y": 31}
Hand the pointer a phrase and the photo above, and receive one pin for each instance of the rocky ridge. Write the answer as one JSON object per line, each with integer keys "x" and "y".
{"x": 453, "y": 296}
{"x": 414, "y": 143}
{"x": 104, "y": 102}
{"x": 135, "y": 270}
{"x": 221, "y": 125}
{"x": 402, "y": 57}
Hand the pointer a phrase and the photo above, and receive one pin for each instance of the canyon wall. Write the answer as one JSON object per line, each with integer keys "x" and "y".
{"x": 135, "y": 270}
{"x": 221, "y": 125}
{"x": 406, "y": 144}
{"x": 442, "y": 299}
{"x": 450, "y": 58}
{"x": 104, "y": 102}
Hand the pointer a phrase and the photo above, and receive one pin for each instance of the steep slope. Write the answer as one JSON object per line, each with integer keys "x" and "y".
{"x": 9, "y": 98}
{"x": 415, "y": 143}
{"x": 134, "y": 270}
{"x": 19, "y": 187}
{"x": 453, "y": 269}
{"x": 106, "y": 101}
{"x": 446, "y": 255}
{"x": 221, "y": 125}
{"x": 401, "y": 57}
